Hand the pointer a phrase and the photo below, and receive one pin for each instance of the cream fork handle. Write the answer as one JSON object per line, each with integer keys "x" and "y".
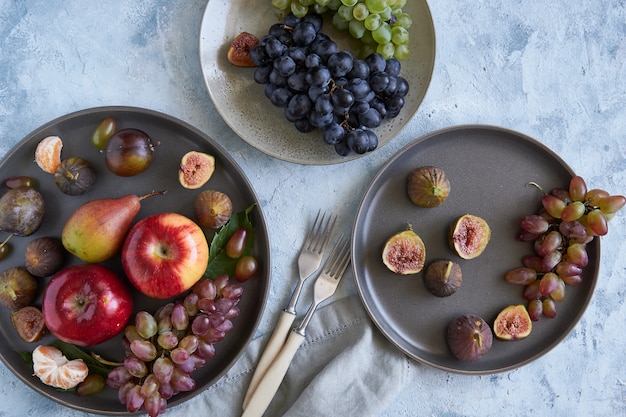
{"x": 276, "y": 342}
{"x": 265, "y": 391}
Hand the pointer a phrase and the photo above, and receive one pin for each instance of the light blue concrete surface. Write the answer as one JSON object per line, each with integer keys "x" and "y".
{"x": 553, "y": 70}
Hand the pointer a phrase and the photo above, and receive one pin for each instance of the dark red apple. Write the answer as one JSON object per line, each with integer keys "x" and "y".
{"x": 86, "y": 304}
{"x": 165, "y": 254}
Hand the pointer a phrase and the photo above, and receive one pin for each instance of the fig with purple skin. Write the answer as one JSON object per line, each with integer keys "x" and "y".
{"x": 469, "y": 337}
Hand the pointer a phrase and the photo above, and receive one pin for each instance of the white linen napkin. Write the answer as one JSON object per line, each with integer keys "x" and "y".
{"x": 345, "y": 367}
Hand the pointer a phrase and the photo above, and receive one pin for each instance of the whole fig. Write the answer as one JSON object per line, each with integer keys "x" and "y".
{"x": 21, "y": 211}
{"x": 18, "y": 288}
{"x": 469, "y": 337}
{"x": 443, "y": 277}
{"x": 428, "y": 186}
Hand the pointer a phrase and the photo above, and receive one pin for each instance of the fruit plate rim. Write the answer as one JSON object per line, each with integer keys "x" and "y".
{"x": 243, "y": 106}
{"x": 75, "y": 128}
{"x": 401, "y": 308}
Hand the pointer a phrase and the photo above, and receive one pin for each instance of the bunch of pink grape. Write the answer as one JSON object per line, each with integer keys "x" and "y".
{"x": 164, "y": 349}
{"x": 568, "y": 220}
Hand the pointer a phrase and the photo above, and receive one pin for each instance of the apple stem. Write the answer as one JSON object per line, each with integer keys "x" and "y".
{"x": 152, "y": 194}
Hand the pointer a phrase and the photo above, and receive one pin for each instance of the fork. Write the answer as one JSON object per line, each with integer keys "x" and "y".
{"x": 324, "y": 288}
{"x": 309, "y": 261}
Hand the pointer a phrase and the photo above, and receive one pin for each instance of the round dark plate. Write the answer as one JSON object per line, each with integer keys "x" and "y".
{"x": 488, "y": 168}
{"x": 176, "y": 138}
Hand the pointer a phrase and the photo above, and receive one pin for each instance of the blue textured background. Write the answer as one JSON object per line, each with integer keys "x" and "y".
{"x": 553, "y": 70}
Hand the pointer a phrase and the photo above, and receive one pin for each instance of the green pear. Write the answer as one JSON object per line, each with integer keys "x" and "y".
{"x": 96, "y": 230}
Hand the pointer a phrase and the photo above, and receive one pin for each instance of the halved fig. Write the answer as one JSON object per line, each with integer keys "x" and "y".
{"x": 404, "y": 253}
{"x": 196, "y": 168}
{"x": 29, "y": 323}
{"x": 239, "y": 50}
{"x": 513, "y": 323}
{"x": 469, "y": 236}
{"x": 428, "y": 186}
{"x": 469, "y": 337}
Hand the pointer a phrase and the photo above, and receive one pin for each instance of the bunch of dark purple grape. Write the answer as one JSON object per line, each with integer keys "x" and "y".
{"x": 320, "y": 87}
{"x": 567, "y": 222}
{"x": 164, "y": 349}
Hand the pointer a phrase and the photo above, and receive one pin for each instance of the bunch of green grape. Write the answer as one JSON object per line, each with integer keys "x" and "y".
{"x": 380, "y": 25}
{"x": 569, "y": 219}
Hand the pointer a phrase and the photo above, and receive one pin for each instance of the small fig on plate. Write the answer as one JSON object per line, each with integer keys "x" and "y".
{"x": 469, "y": 236}
{"x": 44, "y": 256}
{"x": 29, "y": 323}
{"x": 21, "y": 211}
{"x": 469, "y": 337}
{"x": 513, "y": 323}
{"x": 404, "y": 253}
{"x": 239, "y": 50}
{"x": 428, "y": 186}
{"x": 75, "y": 176}
{"x": 212, "y": 208}
{"x": 443, "y": 277}
{"x": 18, "y": 288}
{"x": 196, "y": 168}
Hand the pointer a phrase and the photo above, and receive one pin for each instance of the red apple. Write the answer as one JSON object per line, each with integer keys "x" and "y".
{"x": 86, "y": 304}
{"x": 165, "y": 254}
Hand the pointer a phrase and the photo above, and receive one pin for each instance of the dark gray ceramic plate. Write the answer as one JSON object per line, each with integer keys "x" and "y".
{"x": 488, "y": 168}
{"x": 176, "y": 138}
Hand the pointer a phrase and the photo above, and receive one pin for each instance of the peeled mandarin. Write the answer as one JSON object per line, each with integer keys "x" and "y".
{"x": 48, "y": 154}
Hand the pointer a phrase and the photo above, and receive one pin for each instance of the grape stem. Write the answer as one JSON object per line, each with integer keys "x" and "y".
{"x": 104, "y": 361}
{"x": 534, "y": 184}
{"x": 4, "y": 242}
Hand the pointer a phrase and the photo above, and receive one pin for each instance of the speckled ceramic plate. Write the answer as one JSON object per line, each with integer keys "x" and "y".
{"x": 176, "y": 138}
{"x": 488, "y": 169}
{"x": 243, "y": 105}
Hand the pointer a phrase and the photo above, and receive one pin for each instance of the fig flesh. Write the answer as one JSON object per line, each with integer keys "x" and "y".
{"x": 428, "y": 186}
{"x": 21, "y": 211}
{"x": 513, "y": 323}
{"x": 469, "y": 337}
{"x": 404, "y": 253}
{"x": 18, "y": 288}
{"x": 469, "y": 236}
{"x": 212, "y": 208}
{"x": 29, "y": 323}
{"x": 196, "y": 168}
{"x": 239, "y": 50}
{"x": 443, "y": 277}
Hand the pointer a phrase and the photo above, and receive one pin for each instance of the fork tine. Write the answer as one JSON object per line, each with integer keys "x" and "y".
{"x": 320, "y": 232}
{"x": 339, "y": 259}
{"x": 309, "y": 236}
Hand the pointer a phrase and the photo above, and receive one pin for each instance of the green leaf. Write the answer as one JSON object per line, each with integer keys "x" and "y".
{"x": 74, "y": 352}
{"x": 219, "y": 262}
